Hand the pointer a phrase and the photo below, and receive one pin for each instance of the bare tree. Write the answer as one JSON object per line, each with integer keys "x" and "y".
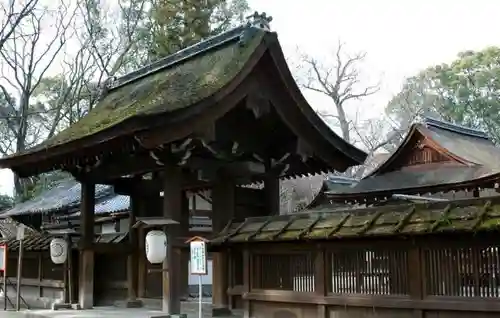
{"x": 339, "y": 81}
{"x": 26, "y": 57}
{"x": 376, "y": 135}
{"x": 110, "y": 45}
{"x": 13, "y": 13}
{"x": 103, "y": 45}
{"x": 84, "y": 43}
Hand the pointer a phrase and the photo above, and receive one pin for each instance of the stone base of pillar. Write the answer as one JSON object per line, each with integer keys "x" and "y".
{"x": 133, "y": 303}
{"x": 57, "y": 306}
{"x": 221, "y": 312}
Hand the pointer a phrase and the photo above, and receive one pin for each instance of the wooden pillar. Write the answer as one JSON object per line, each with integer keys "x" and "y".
{"x": 86, "y": 268}
{"x": 142, "y": 264}
{"x": 223, "y": 206}
{"x": 40, "y": 272}
{"x": 184, "y": 230}
{"x": 416, "y": 276}
{"x": 247, "y": 267}
{"x": 172, "y": 208}
{"x": 272, "y": 193}
{"x": 320, "y": 279}
{"x": 133, "y": 257}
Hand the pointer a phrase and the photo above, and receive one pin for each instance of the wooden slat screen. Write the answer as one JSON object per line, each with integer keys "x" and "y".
{"x": 293, "y": 272}
{"x": 462, "y": 272}
{"x": 374, "y": 272}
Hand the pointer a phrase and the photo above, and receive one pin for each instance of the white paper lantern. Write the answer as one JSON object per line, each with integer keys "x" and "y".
{"x": 156, "y": 246}
{"x": 58, "y": 250}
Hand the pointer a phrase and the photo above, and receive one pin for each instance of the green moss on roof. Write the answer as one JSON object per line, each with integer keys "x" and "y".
{"x": 175, "y": 87}
{"x": 460, "y": 216}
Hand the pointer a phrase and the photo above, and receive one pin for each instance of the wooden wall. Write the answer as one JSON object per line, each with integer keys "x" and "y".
{"x": 43, "y": 282}
{"x": 422, "y": 277}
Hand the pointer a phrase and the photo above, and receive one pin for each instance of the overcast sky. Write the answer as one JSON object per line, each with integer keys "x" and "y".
{"x": 399, "y": 37}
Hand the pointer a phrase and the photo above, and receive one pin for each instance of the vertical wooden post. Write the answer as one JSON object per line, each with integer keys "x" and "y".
{"x": 40, "y": 271}
{"x": 172, "y": 208}
{"x": 184, "y": 230}
{"x": 132, "y": 259}
{"x": 86, "y": 268}
{"x": 320, "y": 279}
{"x": 272, "y": 193}
{"x": 66, "y": 292}
{"x": 223, "y": 206}
{"x": 247, "y": 267}
{"x": 142, "y": 265}
{"x": 415, "y": 276}
{"x": 19, "y": 273}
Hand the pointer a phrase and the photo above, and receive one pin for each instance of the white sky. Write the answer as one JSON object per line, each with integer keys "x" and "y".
{"x": 399, "y": 37}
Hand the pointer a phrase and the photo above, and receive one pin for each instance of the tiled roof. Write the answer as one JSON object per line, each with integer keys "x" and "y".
{"x": 111, "y": 204}
{"x": 114, "y": 203}
{"x": 459, "y": 216}
{"x": 65, "y": 195}
{"x": 479, "y": 159}
{"x": 39, "y": 241}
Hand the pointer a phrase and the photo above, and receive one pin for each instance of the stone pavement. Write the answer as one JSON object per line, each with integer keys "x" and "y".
{"x": 8, "y": 314}
{"x": 189, "y": 308}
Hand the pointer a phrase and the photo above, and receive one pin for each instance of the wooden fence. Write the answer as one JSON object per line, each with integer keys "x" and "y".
{"x": 431, "y": 276}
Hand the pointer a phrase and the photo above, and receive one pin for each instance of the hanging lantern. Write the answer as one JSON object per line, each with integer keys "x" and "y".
{"x": 58, "y": 250}
{"x": 156, "y": 246}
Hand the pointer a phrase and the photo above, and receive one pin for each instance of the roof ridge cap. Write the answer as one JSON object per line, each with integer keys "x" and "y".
{"x": 181, "y": 56}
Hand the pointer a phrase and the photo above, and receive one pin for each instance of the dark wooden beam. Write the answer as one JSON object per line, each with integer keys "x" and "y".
{"x": 144, "y": 163}
{"x": 272, "y": 194}
{"x": 224, "y": 208}
{"x": 86, "y": 268}
{"x": 172, "y": 209}
{"x": 132, "y": 258}
{"x": 183, "y": 276}
{"x": 132, "y": 186}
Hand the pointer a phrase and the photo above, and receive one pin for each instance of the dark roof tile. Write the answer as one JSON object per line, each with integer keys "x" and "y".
{"x": 65, "y": 195}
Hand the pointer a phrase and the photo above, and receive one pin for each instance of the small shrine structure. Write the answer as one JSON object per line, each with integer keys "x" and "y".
{"x": 436, "y": 159}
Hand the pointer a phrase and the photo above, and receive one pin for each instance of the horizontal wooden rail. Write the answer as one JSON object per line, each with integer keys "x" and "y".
{"x": 389, "y": 302}
{"x": 36, "y": 283}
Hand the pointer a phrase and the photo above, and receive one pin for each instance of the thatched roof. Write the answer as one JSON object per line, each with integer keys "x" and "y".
{"x": 182, "y": 79}
{"x": 182, "y": 94}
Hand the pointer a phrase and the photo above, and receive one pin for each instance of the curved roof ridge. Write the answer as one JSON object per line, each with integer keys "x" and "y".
{"x": 181, "y": 56}
{"x": 441, "y": 124}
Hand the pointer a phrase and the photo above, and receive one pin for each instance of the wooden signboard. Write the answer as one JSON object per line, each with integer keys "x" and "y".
{"x": 198, "y": 256}
{"x": 198, "y": 264}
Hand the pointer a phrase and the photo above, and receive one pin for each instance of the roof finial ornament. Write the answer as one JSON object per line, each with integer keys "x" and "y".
{"x": 260, "y": 20}
{"x": 255, "y": 21}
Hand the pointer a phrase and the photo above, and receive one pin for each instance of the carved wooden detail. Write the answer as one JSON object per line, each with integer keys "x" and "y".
{"x": 425, "y": 155}
{"x": 421, "y": 153}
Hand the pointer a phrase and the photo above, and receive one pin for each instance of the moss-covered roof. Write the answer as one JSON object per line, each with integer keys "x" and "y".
{"x": 442, "y": 217}
{"x": 174, "y": 83}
